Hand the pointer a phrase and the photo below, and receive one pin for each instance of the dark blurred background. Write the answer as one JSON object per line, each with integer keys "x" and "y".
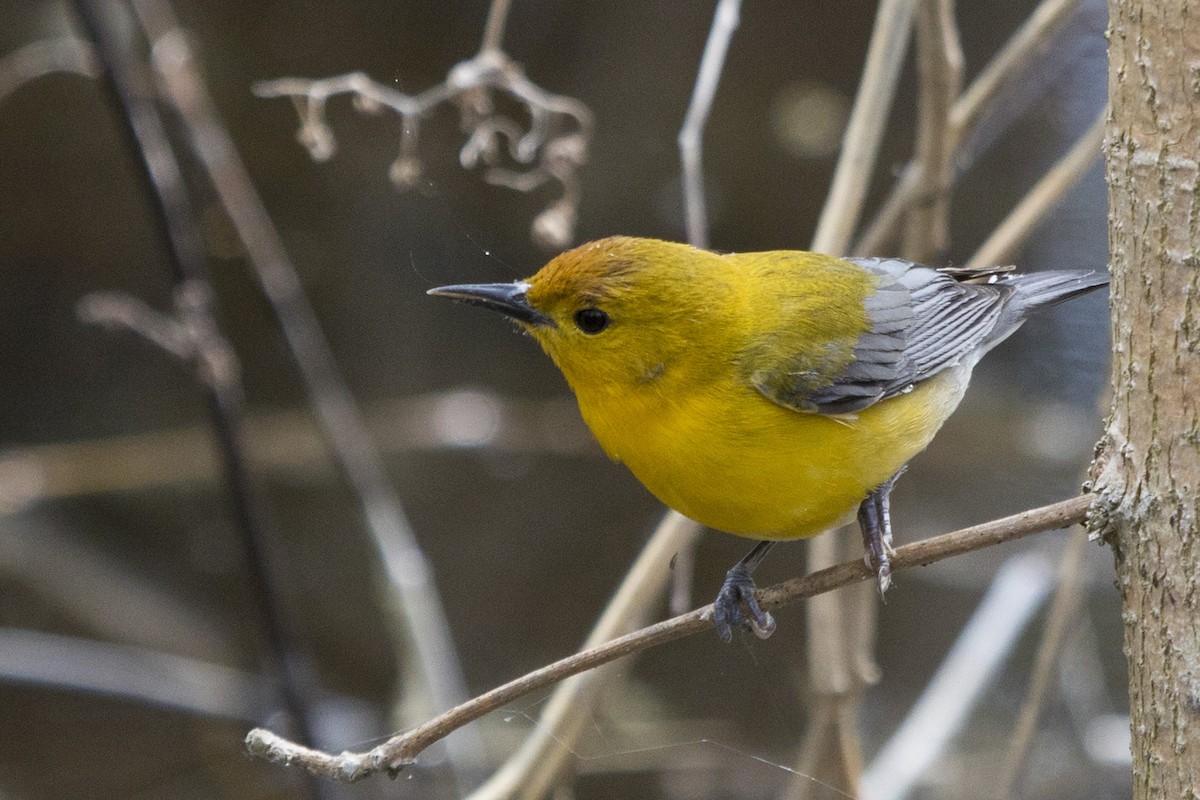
{"x": 527, "y": 538}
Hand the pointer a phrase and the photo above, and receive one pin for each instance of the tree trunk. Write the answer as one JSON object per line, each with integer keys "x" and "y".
{"x": 1148, "y": 464}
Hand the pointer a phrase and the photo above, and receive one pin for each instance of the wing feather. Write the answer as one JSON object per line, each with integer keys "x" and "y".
{"x": 922, "y": 321}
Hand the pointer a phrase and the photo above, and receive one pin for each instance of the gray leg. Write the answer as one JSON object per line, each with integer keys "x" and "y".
{"x": 738, "y": 591}
{"x": 875, "y": 521}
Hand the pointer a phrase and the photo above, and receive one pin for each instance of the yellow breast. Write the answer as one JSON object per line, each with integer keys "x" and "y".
{"x": 732, "y": 460}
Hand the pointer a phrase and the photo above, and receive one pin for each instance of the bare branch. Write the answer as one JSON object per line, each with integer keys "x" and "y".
{"x": 401, "y": 750}
{"x": 1059, "y": 621}
{"x": 535, "y": 769}
{"x": 1010, "y": 234}
{"x": 860, "y": 147}
{"x": 122, "y": 311}
{"x": 553, "y": 148}
{"x": 712, "y": 63}
{"x": 493, "y": 29}
{"x": 46, "y": 57}
{"x": 940, "y": 65}
{"x": 190, "y": 334}
{"x": 160, "y": 174}
{"x": 410, "y": 597}
{"x": 1010, "y": 63}
{"x": 969, "y": 111}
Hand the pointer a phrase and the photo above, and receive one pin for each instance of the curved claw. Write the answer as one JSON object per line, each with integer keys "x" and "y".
{"x": 763, "y": 628}
{"x": 738, "y": 592}
{"x": 883, "y": 574}
{"x": 881, "y": 565}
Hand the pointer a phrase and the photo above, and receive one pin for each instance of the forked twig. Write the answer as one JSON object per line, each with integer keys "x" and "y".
{"x": 401, "y": 750}
{"x": 552, "y": 148}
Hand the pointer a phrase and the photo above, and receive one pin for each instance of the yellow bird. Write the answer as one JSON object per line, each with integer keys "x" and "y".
{"x": 768, "y": 395}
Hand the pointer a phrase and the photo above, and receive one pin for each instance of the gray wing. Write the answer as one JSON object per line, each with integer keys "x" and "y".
{"x": 922, "y": 321}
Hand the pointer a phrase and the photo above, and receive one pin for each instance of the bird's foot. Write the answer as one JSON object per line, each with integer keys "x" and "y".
{"x": 878, "y": 562}
{"x": 738, "y": 592}
{"x": 875, "y": 521}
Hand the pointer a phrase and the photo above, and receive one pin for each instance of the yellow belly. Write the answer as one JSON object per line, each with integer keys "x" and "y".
{"x": 732, "y": 460}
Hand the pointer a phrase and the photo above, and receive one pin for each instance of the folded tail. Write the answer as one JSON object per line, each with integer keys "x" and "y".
{"x": 1035, "y": 291}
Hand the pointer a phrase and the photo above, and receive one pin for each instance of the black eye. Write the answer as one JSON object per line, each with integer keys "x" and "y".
{"x": 591, "y": 320}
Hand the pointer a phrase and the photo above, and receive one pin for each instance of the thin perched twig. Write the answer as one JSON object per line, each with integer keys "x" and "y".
{"x": 173, "y": 215}
{"x": 1008, "y": 236}
{"x": 712, "y": 63}
{"x": 66, "y": 54}
{"x": 552, "y": 148}
{"x": 410, "y": 598}
{"x": 537, "y": 767}
{"x": 402, "y": 750}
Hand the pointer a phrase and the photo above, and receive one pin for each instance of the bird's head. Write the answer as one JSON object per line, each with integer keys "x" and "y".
{"x": 616, "y": 312}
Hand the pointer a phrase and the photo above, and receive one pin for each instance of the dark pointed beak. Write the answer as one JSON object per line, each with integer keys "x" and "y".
{"x": 507, "y": 298}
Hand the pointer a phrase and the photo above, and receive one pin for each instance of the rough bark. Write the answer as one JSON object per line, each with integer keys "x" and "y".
{"x": 1148, "y": 465}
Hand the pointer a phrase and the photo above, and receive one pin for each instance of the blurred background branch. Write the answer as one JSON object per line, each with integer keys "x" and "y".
{"x": 408, "y": 594}
{"x": 544, "y": 759}
{"x": 112, "y": 529}
{"x": 66, "y": 54}
{"x": 841, "y": 625}
{"x": 202, "y": 345}
{"x": 552, "y": 148}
